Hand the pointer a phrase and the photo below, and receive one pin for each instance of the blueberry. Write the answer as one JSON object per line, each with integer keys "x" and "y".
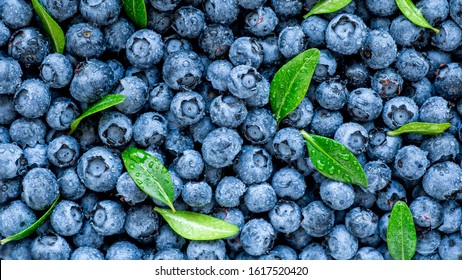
{"x": 261, "y": 22}
{"x": 67, "y": 218}
{"x": 37, "y": 156}
{"x": 382, "y": 23}
{"x": 15, "y": 217}
{"x": 353, "y": 136}
{"x": 441, "y": 148}
{"x": 361, "y": 222}
{"x": 218, "y": 73}
{"x": 260, "y": 198}
{"x": 88, "y": 237}
{"x": 280, "y": 252}
{"x": 39, "y": 188}
{"x": 341, "y": 244}
{"x": 99, "y": 169}
{"x": 227, "y": 111}
{"x": 259, "y": 126}
{"x": 158, "y": 21}
{"x": 411, "y": 162}
{"x": 101, "y": 12}
{"x": 85, "y": 40}
{"x": 383, "y": 147}
{"x": 446, "y": 84}
{"x": 169, "y": 254}
{"x": 215, "y": 40}
{"x": 368, "y": 253}
{"x": 9, "y": 190}
{"x": 108, "y": 217}
{"x": 271, "y": 54}
{"x": 16, "y": 13}
{"x": 419, "y": 91}
{"x": 150, "y": 129}
{"x": 314, "y": 28}
{"x": 10, "y": 75}
{"x": 189, "y": 164}
{"x": 63, "y": 151}
{"x": 182, "y": 70}
{"x": 337, "y": 195}
{"x": 197, "y": 194}
{"x": 288, "y": 183}
{"x": 346, "y": 34}
{"x": 399, "y": 111}
{"x": 244, "y": 81}
{"x": 408, "y": 34}
{"x": 123, "y": 250}
{"x": 443, "y": 180}
{"x": 135, "y": 92}
{"x": 178, "y": 141}
{"x": 230, "y": 191}
{"x": 28, "y": 132}
{"x": 141, "y": 222}
{"x": 251, "y": 4}
{"x": 144, "y": 48}
{"x": 285, "y": 217}
{"x": 206, "y": 250}
{"x": 61, "y": 10}
{"x": 187, "y": 107}
{"x": 221, "y": 11}
{"x": 428, "y": 242}
{"x": 435, "y": 110}
{"x": 50, "y": 247}
{"x": 257, "y": 237}
{"x": 246, "y": 51}
{"x": 386, "y": 198}
{"x": 314, "y": 251}
{"x": 388, "y": 83}
{"x": 70, "y": 186}
{"x": 450, "y": 247}
{"x": 92, "y": 80}
{"x": 326, "y": 67}
{"x": 449, "y": 38}
{"x": 201, "y": 129}
{"x": 160, "y": 97}
{"x": 188, "y": 22}
{"x": 28, "y": 46}
{"x": 331, "y": 94}
{"x": 318, "y": 219}
{"x": 378, "y": 175}
{"x": 164, "y": 5}
{"x": 288, "y": 144}
{"x": 427, "y": 212}
{"x": 326, "y": 122}
{"x": 364, "y": 104}
{"x": 286, "y": 8}
{"x": 115, "y": 129}
{"x": 434, "y": 12}
{"x": 150, "y": 76}
{"x": 452, "y": 217}
{"x": 220, "y": 147}
{"x": 412, "y": 65}
{"x": 291, "y": 41}
{"x": 357, "y": 74}
{"x": 436, "y": 59}
{"x": 87, "y": 253}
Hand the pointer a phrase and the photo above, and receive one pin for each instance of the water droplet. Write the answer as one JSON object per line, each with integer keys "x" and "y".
{"x": 320, "y": 165}
{"x": 331, "y": 170}
{"x": 344, "y": 156}
{"x": 347, "y": 178}
{"x": 138, "y": 174}
{"x": 151, "y": 164}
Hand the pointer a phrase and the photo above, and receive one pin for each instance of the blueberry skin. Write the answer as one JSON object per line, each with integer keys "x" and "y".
{"x": 286, "y": 8}
{"x": 443, "y": 180}
{"x": 353, "y": 136}
{"x": 187, "y": 108}
{"x": 32, "y": 98}
{"x": 382, "y": 8}
{"x": 364, "y": 104}
{"x": 182, "y": 70}
{"x": 141, "y": 222}
{"x": 412, "y": 65}
{"x": 117, "y": 34}
{"x": 218, "y": 73}
{"x": 178, "y": 141}
{"x": 407, "y": 34}
{"x": 221, "y": 146}
{"x": 450, "y": 247}
{"x": 37, "y": 156}
{"x": 228, "y": 111}
{"x": 326, "y": 122}
{"x": 441, "y": 148}
{"x": 419, "y": 91}
{"x": 61, "y": 113}
{"x": 411, "y": 162}
{"x": 99, "y": 169}
{"x": 428, "y": 242}
{"x": 257, "y": 237}
{"x": 341, "y": 244}
{"x": 331, "y": 94}
{"x": 102, "y": 12}
{"x": 39, "y": 188}
{"x": 169, "y": 254}
{"x": 221, "y": 11}
{"x": 85, "y": 40}
{"x": 386, "y": 198}
{"x": 86, "y": 253}
{"x": 135, "y": 92}
{"x": 260, "y": 198}
{"x": 455, "y": 6}
{"x": 92, "y": 80}
{"x": 261, "y": 22}
{"x": 259, "y": 126}
{"x": 115, "y": 129}
{"x": 16, "y": 13}
{"x": 314, "y": 28}
{"x": 28, "y": 132}
{"x": 229, "y": 191}
{"x": 285, "y": 217}
{"x": 302, "y": 116}
{"x": 9, "y": 190}
{"x": 251, "y": 4}
{"x": 436, "y": 110}
{"x": 271, "y": 54}
{"x": 244, "y": 81}
{"x": 107, "y": 218}
{"x": 123, "y": 250}
{"x": 436, "y": 59}
{"x": 346, "y": 34}
{"x": 380, "y": 23}
{"x": 379, "y": 50}
{"x": 10, "y": 75}
{"x": 88, "y": 237}
{"x": 50, "y": 247}
{"x": 15, "y": 217}
{"x": 280, "y": 252}
{"x": 427, "y": 212}
{"x": 368, "y": 253}
{"x": 197, "y": 194}
{"x": 188, "y": 22}
{"x": 158, "y": 21}
{"x": 167, "y": 238}
{"x": 4, "y": 135}
{"x": 215, "y": 40}
{"x": 28, "y": 46}
{"x": 338, "y": 196}
{"x": 63, "y": 151}
{"x": 164, "y": 5}
{"x": 434, "y": 12}
{"x": 361, "y": 222}
{"x": 288, "y": 183}
{"x": 206, "y": 250}
{"x": 449, "y": 38}
{"x": 56, "y": 70}
{"x": 150, "y": 129}
{"x": 144, "y": 48}
{"x": 452, "y": 217}
{"x": 160, "y": 97}
{"x": 288, "y": 144}
{"x": 314, "y": 251}
{"x": 128, "y": 190}
{"x": 446, "y": 81}
{"x": 291, "y": 41}
{"x": 246, "y": 51}
{"x": 388, "y": 83}
{"x": 399, "y": 111}
{"x": 67, "y": 218}
{"x": 378, "y": 175}
{"x": 318, "y": 219}
{"x": 327, "y": 65}
{"x": 70, "y": 186}
{"x": 189, "y": 164}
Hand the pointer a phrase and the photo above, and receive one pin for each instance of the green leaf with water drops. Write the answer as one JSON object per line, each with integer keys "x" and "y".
{"x": 29, "y": 230}
{"x": 421, "y": 128}
{"x": 50, "y": 26}
{"x": 104, "y": 103}
{"x": 195, "y": 226}
{"x": 334, "y": 160}
{"x": 327, "y": 6}
{"x": 150, "y": 175}
{"x": 291, "y": 82}
{"x": 401, "y": 233}
{"x": 413, "y": 14}
{"x": 136, "y": 11}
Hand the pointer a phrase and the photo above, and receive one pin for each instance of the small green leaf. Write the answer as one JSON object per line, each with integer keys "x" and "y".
{"x": 409, "y": 10}
{"x": 195, "y": 226}
{"x": 327, "y": 6}
{"x": 401, "y": 233}
{"x": 105, "y": 102}
{"x": 50, "y": 26}
{"x": 136, "y": 11}
{"x": 334, "y": 160}
{"x": 150, "y": 175}
{"x": 28, "y": 231}
{"x": 291, "y": 82}
{"x": 421, "y": 128}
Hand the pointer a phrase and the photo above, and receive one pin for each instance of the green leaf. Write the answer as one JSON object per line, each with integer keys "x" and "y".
{"x": 150, "y": 175}
{"x": 327, "y": 6}
{"x": 195, "y": 226}
{"x": 136, "y": 11}
{"x": 104, "y": 103}
{"x": 401, "y": 233}
{"x": 334, "y": 160}
{"x": 421, "y": 128}
{"x": 28, "y": 231}
{"x": 291, "y": 82}
{"x": 409, "y": 10}
{"x": 50, "y": 26}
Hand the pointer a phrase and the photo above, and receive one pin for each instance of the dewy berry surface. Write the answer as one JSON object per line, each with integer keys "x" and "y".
{"x": 197, "y": 82}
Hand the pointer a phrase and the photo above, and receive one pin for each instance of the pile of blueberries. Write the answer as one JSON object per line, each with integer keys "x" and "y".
{"x": 197, "y": 83}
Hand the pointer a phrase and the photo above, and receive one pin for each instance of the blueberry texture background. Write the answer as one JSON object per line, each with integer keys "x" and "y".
{"x": 197, "y": 83}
